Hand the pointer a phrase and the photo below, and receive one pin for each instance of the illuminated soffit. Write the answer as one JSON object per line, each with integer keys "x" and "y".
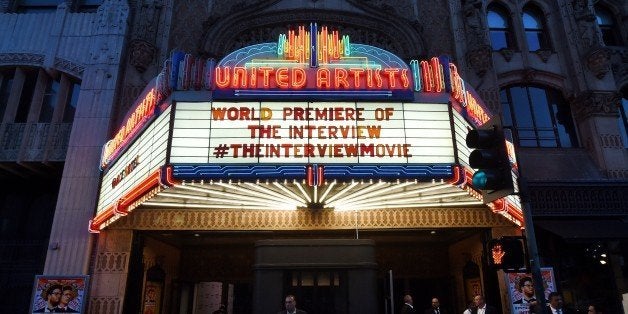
{"x": 292, "y": 195}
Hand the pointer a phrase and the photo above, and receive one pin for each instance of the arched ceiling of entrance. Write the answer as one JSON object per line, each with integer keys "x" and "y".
{"x": 225, "y": 35}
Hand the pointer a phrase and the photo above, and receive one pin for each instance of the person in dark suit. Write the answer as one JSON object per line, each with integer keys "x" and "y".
{"x": 408, "y": 305}
{"x": 435, "y": 309}
{"x": 481, "y": 307}
{"x": 291, "y": 306}
{"x": 52, "y": 295}
{"x": 556, "y": 304}
{"x": 68, "y": 294}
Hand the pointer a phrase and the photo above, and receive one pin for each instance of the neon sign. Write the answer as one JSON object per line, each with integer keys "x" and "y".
{"x": 132, "y": 125}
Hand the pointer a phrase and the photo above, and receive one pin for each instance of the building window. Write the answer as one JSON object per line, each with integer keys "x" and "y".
{"x": 499, "y": 28}
{"x": 623, "y": 118}
{"x": 42, "y": 99}
{"x": 6, "y": 82}
{"x": 70, "y": 108}
{"x": 539, "y": 116}
{"x": 28, "y": 88}
{"x": 49, "y": 101}
{"x": 533, "y": 26}
{"x": 609, "y": 30}
{"x": 37, "y": 6}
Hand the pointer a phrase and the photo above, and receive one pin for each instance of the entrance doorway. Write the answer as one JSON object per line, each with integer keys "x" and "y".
{"x": 318, "y": 290}
{"x": 336, "y": 276}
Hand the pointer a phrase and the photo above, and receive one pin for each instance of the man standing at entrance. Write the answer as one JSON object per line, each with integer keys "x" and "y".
{"x": 291, "y": 306}
{"x": 435, "y": 309}
{"x": 481, "y": 307}
{"x": 408, "y": 305}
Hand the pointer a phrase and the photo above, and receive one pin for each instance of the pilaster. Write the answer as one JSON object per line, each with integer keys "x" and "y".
{"x": 596, "y": 114}
{"x": 79, "y": 185}
{"x": 111, "y": 268}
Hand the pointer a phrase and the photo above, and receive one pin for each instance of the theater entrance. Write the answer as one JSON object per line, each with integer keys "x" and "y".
{"x": 325, "y": 275}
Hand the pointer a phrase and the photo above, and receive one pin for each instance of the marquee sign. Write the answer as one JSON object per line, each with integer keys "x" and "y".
{"x": 313, "y": 114}
{"x": 306, "y": 133}
{"x": 307, "y": 64}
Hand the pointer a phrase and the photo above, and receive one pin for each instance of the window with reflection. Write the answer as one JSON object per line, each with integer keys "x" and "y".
{"x": 42, "y": 98}
{"x": 37, "y": 6}
{"x": 623, "y": 117}
{"x": 609, "y": 30}
{"x": 6, "y": 82}
{"x": 499, "y": 26}
{"x": 539, "y": 116}
{"x": 534, "y": 27}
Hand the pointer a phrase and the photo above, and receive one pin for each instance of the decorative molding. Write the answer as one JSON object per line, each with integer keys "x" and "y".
{"x": 69, "y": 67}
{"x": 591, "y": 103}
{"x": 612, "y": 141}
{"x": 619, "y": 64}
{"x": 587, "y": 30}
{"x": 21, "y": 59}
{"x": 598, "y": 200}
{"x": 598, "y": 61}
{"x": 544, "y": 54}
{"x": 480, "y": 59}
{"x": 105, "y": 305}
{"x": 507, "y": 54}
{"x": 226, "y": 35}
{"x": 141, "y": 54}
{"x": 154, "y": 219}
{"x": 111, "y": 262}
{"x": 620, "y": 174}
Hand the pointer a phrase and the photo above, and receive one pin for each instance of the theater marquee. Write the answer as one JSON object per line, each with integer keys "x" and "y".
{"x": 311, "y": 121}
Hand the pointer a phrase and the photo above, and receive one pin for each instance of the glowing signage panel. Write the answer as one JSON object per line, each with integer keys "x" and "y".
{"x": 311, "y": 132}
{"x": 141, "y": 159}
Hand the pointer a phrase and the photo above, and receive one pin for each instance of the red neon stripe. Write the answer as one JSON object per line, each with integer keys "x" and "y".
{"x": 310, "y": 175}
{"x": 320, "y": 175}
{"x": 120, "y": 207}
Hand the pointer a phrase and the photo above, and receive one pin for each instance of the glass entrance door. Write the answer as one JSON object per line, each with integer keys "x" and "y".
{"x": 320, "y": 291}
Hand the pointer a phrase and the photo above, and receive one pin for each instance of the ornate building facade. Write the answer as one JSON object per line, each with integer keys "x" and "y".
{"x": 554, "y": 71}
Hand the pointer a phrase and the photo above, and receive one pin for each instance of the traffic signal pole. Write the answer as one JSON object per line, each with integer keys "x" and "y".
{"x": 539, "y": 289}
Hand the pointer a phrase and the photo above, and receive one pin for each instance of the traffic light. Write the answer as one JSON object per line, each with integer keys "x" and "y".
{"x": 506, "y": 253}
{"x": 490, "y": 157}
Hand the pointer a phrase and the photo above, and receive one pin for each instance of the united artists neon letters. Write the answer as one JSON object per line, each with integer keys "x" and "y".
{"x": 311, "y": 78}
{"x": 132, "y": 125}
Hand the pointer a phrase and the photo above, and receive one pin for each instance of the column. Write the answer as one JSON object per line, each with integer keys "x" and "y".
{"x": 111, "y": 268}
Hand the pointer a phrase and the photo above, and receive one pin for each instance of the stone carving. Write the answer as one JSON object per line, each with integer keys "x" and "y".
{"x": 149, "y": 12}
{"x": 479, "y": 51}
{"x": 544, "y": 54}
{"x": 588, "y": 34}
{"x": 507, "y": 53}
{"x": 105, "y": 305}
{"x": 598, "y": 61}
{"x": 141, "y": 54}
{"x": 69, "y": 67}
{"x": 480, "y": 59}
{"x": 619, "y": 64}
{"x": 111, "y": 262}
{"x": 21, "y": 59}
{"x": 579, "y": 200}
{"x": 473, "y": 21}
{"x": 611, "y": 141}
{"x": 596, "y": 103}
{"x": 401, "y": 8}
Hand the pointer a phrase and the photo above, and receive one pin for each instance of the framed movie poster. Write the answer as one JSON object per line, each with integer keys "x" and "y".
{"x": 521, "y": 289}
{"x": 64, "y": 294}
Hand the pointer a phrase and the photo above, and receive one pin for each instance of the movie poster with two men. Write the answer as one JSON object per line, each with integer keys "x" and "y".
{"x": 59, "y": 294}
